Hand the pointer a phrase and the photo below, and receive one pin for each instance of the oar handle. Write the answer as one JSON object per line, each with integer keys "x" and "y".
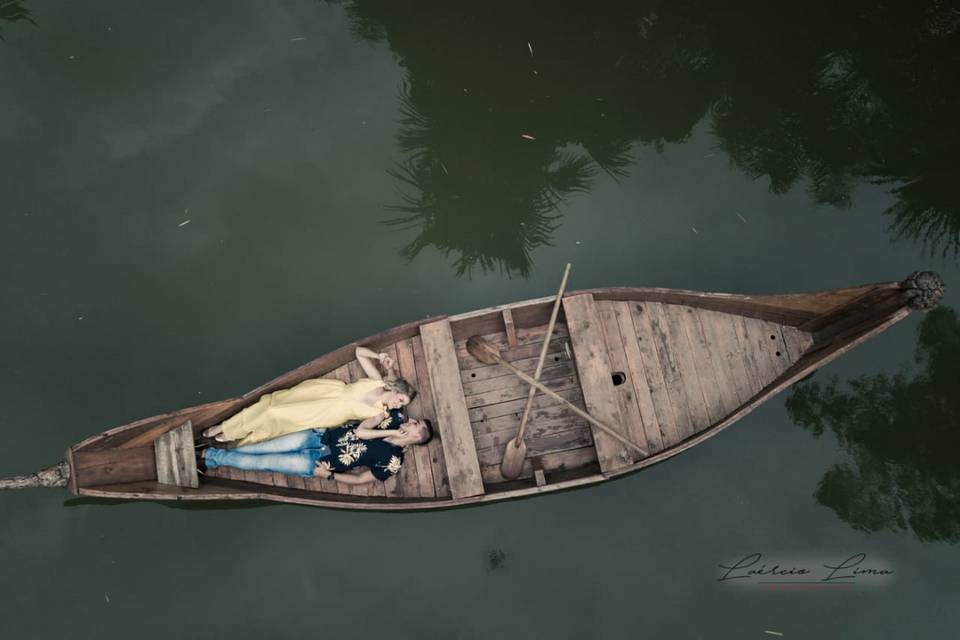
{"x": 543, "y": 353}
{"x": 580, "y": 412}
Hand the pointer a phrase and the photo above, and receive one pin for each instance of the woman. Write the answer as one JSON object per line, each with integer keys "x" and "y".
{"x": 336, "y": 454}
{"x": 320, "y": 403}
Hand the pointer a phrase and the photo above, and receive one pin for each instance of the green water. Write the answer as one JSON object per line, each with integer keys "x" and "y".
{"x": 753, "y": 148}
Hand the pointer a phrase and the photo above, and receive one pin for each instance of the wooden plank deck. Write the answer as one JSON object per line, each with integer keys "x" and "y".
{"x": 595, "y": 373}
{"x": 175, "y": 457}
{"x": 459, "y": 450}
{"x": 660, "y": 372}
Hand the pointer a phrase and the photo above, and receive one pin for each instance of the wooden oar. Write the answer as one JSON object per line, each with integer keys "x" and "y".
{"x": 489, "y": 354}
{"x": 516, "y": 451}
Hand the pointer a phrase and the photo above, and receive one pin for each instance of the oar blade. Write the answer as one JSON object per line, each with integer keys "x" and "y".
{"x": 513, "y": 458}
{"x": 483, "y": 350}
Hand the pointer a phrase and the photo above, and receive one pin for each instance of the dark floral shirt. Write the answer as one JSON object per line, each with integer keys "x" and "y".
{"x": 347, "y": 450}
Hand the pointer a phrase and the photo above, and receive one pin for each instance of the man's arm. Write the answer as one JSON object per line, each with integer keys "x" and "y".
{"x": 355, "y": 478}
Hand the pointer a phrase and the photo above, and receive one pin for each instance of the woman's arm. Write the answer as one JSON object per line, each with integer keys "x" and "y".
{"x": 366, "y": 358}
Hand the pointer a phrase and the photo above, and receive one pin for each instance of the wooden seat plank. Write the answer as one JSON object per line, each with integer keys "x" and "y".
{"x": 718, "y": 388}
{"x": 722, "y": 338}
{"x": 747, "y": 354}
{"x": 453, "y": 421}
{"x": 619, "y": 362}
{"x": 176, "y": 458}
{"x": 675, "y": 319}
{"x": 594, "y": 371}
{"x": 638, "y": 376}
{"x": 668, "y": 353}
{"x": 653, "y": 370}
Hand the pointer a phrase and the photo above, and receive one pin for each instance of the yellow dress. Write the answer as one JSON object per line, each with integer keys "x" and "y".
{"x": 315, "y": 403}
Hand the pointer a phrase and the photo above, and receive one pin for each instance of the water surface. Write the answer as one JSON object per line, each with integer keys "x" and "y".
{"x": 200, "y": 196}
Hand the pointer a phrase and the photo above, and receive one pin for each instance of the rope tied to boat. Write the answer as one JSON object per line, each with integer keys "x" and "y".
{"x": 923, "y": 290}
{"x": 56, "y": 476}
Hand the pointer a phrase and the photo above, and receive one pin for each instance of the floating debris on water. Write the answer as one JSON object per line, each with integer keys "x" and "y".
{"x": 527, "y": 136}
{"x": 773, "y": 633}
{"x": 298, "y": 39}
{"x": 496, "y": 559}
{"x": 708, "y": 155}
{"x": 742, "y": 218}
{"x": 444, "y": 167}
{"x": 107, "y": 598}
{"x": 185, "y": 222}
{"x": 530, "y": 46}
{"x": 695, "y": 230}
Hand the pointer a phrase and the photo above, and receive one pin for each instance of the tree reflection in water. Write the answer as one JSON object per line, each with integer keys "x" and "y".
{"x": 14, "y": 11}
{"x": 901, "y": 434}
{"x": 835, "y": 96}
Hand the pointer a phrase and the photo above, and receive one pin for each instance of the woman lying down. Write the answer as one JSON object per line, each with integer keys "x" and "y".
{"x": 294, "y": 431}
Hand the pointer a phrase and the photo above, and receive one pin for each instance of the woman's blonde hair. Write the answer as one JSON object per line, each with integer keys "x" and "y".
{"x": 401, "y": 386}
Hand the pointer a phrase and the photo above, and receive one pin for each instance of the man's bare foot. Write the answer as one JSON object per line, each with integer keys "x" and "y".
{"x": 221, "y": 438}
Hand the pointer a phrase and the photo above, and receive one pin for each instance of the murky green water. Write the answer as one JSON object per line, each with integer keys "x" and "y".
{"x": 196, "y": 197}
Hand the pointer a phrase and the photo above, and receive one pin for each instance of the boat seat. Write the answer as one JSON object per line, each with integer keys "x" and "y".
{"x": 453, "y": 420}
{"x": 594, "y": 371}
{"x": 176, "y": 460}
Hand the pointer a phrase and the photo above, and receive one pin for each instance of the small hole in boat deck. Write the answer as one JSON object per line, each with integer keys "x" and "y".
{"x": 773, "y": 337}
{"x": 778, "y": 353}
{"x": 556, "y": 358}
{"x": 639, "y": 308}
{"x": 473, "y": 375}
{"x": 618, "y": 378}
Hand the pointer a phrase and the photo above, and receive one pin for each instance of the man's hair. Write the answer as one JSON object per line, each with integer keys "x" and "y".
{"x": 428, "y": 430}
{"x": 401, "y": 386}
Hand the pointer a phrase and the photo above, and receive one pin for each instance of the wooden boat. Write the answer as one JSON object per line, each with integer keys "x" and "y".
{"x": 669, "y": 368}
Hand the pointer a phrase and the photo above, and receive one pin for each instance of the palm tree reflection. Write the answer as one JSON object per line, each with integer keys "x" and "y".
{"x": 14, "y": 11}
{"x": 901, "y": 434}
{"x": 835, "y": 97}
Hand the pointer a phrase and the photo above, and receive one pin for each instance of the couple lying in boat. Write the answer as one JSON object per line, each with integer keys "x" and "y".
{"x": 311, "y": 429}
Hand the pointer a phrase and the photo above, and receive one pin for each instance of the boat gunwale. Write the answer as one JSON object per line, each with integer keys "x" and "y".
{"x": 398, "y": 333}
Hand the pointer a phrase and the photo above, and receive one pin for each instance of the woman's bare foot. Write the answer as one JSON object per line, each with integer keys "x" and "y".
{"x": 213, "y": 431}
{"x": 221, "y": 438}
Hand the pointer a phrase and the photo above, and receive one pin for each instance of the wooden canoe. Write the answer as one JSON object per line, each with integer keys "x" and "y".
{"x": 668, "y": 368}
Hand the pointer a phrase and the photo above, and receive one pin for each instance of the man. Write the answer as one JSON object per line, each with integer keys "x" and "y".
{"x": 351, "y": 454}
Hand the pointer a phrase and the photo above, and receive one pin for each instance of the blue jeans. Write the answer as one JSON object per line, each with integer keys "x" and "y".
{"x": 295, "y": 454}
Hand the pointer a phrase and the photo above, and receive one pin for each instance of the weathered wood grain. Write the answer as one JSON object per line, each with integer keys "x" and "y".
{"x": 175, "y": 457}
{"x": 674, "y": 317}
{"x": 594, "y": 372}
{"x": 655, "y": 373}
{"x": 638, "y": 376}
{"x": 667, "y": 353}
{"x": 441, "y": 483}
{"x": 620, "y": 364}
{"x": 417, "y": 457}
{"x": 459, "y": 452}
